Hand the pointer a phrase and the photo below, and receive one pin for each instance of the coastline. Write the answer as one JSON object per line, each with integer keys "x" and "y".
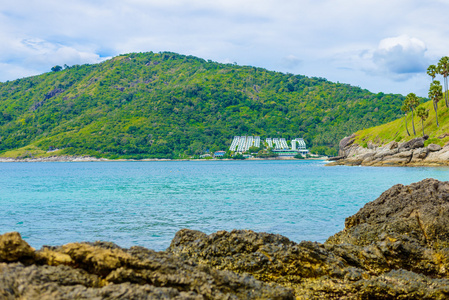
{"x": 94, "y": 159}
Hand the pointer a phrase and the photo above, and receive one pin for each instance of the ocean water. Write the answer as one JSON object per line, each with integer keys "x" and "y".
{"x": 146, "y": 203}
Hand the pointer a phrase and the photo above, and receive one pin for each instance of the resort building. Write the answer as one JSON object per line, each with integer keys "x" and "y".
{"x": 241, "y": 144}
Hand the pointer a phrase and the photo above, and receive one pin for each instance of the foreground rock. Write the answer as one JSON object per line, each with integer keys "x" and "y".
{"x": 411, "y": 153}
{"x": 396, "y": 247}
{"x": 106, "y": 271}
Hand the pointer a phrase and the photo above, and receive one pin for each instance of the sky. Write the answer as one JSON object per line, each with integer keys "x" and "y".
{"x": 382, "y": 45}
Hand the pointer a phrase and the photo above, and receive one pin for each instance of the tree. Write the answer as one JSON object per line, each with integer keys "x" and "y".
{"x": 443, "y": 69}
{"x": 56, "y": 68}
{"x": 436, "y": 94}
{"x": 253, "y": 149}
{"x": 432, "y": 71}
{"x": 405, "y": 109}
{"x": 412, "y": 102}
{"x": 422, "y": 113}
{"x": 299, "y": 156}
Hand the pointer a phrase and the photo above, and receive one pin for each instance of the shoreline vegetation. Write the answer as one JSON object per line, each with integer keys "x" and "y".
{"x": 94, "y": 159}
{"x": 394, "y": 247}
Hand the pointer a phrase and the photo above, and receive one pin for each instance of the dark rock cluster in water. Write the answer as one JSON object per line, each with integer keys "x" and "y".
{"x": 396, "y": 247}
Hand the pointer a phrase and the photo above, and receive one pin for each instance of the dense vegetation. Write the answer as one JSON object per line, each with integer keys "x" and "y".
{"x": 166, "y": 105}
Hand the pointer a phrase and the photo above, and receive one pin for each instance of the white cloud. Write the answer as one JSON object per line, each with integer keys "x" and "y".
{"x": 331, "y": 37}
{"x": 401, "y": 56}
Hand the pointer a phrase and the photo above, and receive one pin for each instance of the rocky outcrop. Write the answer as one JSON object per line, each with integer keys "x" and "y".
{"x": 105, "y": 271}
{"x": 345, "y": 143}
{"x": 411, "y": 153}
{"x": 396, "y": 247}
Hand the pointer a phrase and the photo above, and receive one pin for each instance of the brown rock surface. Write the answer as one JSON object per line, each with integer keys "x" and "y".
{"x": 106, "y": 271}
{"x": 13, "y": 248}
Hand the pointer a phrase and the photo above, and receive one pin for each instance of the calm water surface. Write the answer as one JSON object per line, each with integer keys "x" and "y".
{"x": 145, "y": 203}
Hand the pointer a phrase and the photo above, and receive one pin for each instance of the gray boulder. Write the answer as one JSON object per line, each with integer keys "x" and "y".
{"x": 345, "y": 143}
{"x": 412, "y": 144}
{"x": 434, "y": 147}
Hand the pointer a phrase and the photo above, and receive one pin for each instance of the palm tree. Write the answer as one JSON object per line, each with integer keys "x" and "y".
{"x": 436, "y": 93}
{"x": 412, "y": 102}
{"x": 443, "y": 69}
{"x": 432, "y": 71}
{"x": 404, "y": 108}
{"x": 422, "y": 113}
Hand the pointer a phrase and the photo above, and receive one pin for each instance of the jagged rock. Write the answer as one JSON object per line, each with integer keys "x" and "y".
{"x": 419, "y": 154}
{"x": 335, "y": 158}
{"x": 13, "y": 248}
{"x": 392, "y": 145}
{"x": 344, "y": 143}
{"x": 353, "y": 161}
{"x": 402, "y": 210}
{"x": 368, "y": 158}
{"x": 412, "y": 144}
{"x": 407, "y": 225}
{"x": 384, "y": 153}
{"x": 400, "y": 158}
{"x": 434, "y": 147}
{"x": 268, "y": 257}
{"x": 104, "y": 270}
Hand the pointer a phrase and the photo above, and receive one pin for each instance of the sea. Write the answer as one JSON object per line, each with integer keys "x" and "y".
{"x": 146, "y": 203}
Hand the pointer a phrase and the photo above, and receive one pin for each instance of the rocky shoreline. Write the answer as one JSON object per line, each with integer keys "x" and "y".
{"x": 396, "y": 247}
{"x": 412, "y": 153}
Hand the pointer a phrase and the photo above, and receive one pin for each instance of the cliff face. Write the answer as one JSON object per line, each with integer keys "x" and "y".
{"x": 411, "y": 153}
{"x": 396, "y": 247}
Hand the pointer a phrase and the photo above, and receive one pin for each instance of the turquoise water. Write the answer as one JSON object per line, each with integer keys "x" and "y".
{"x": 145, "y": 203}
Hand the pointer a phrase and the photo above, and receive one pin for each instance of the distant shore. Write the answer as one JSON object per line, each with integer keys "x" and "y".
{"x": 94, "y": 159}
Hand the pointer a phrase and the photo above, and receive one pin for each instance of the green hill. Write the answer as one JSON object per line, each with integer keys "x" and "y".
{"x": 166, "y": 105}
{"x": 396, "y": 131}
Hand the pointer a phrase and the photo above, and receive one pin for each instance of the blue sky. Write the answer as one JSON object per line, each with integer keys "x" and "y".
{"x": 382, "y": 46}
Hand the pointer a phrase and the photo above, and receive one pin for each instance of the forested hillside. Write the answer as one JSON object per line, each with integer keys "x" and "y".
{"x": 166, "y": 105}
